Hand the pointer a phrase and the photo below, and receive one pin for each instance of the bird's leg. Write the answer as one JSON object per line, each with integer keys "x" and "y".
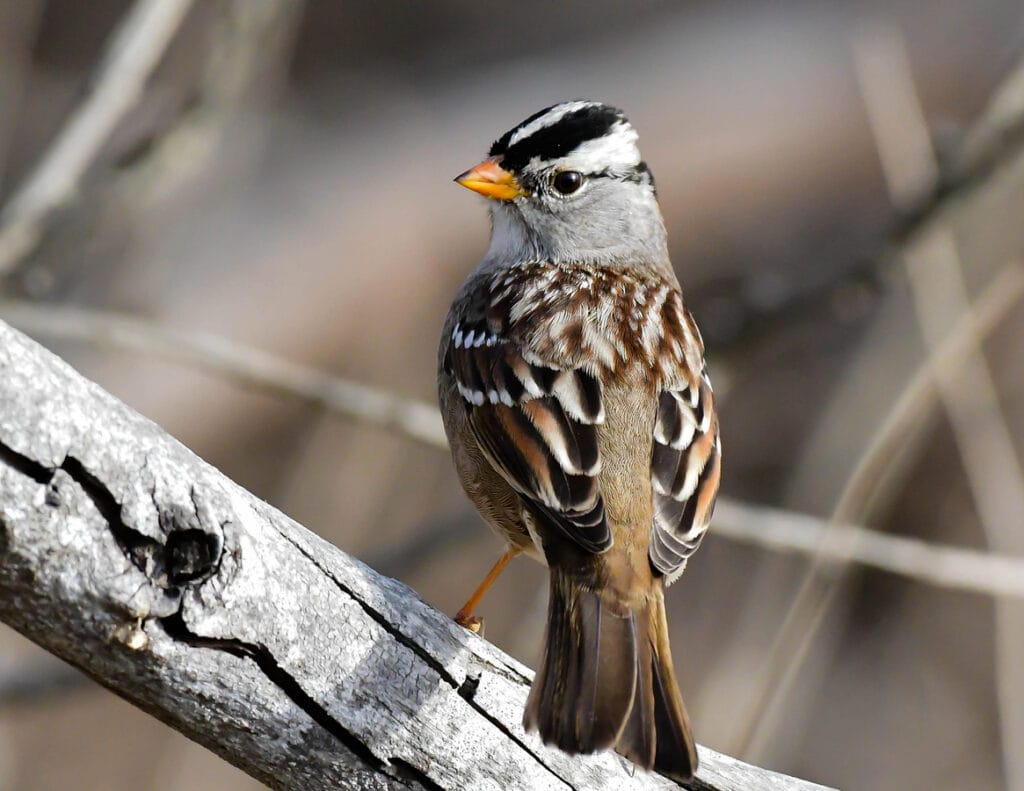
{"x": 465, "y": 617}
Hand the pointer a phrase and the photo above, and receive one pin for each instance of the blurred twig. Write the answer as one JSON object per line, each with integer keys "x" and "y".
{"x": 939, "y": 565}
{"x": 245, "y": 365}
{"x": 19, "y": 24}
{"x": 244, "y": 62}
{"x": 992, "y": 140}
{"x": 943, "y": 566}
{"x": 991, "y": 464}
{"x": 29, "y": 682}
{"x": 837, "y": 546}
{"x": 134, "y": 51}
{"x": 909, "y": 174}
{"x": 969, "y": 396}
{"x": 951, "y": 567}
{"x": 911, "y": 170}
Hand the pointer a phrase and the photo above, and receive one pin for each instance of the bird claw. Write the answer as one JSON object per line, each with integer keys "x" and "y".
{"x": 474, "y": 623}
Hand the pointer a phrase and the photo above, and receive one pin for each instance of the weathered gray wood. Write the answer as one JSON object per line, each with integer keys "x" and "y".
{"x": 128, "y": 556}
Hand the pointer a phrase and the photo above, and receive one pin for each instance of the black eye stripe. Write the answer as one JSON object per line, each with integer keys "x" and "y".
{"x": 641, "y": 174}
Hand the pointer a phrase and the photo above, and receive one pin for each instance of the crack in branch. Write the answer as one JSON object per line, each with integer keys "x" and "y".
{"x": 185, "y": 556}
{"x": 466, "y": 690}
{"x": 191, "y": 555}
{"x": 407, "y": 771}
{"x": 176, "y": 628}
{"x": 145, "y": 553}
{"x": 26, "y": 466}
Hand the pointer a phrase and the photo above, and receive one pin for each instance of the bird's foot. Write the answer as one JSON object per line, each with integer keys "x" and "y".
{"x": 474, "y": 623}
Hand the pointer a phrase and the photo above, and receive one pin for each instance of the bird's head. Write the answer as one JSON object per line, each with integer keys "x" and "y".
{"x": 568, "y": 184}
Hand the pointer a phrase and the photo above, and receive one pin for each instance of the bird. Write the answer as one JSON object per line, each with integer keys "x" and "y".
{"x": 581, "y": 420}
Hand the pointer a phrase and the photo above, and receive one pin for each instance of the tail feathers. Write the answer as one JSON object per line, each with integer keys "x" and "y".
{"x": 584, "y": 689}
{"x": 676, "y": 754}
{"x": 606, "y": 680}
{"x": 638, "y": 741}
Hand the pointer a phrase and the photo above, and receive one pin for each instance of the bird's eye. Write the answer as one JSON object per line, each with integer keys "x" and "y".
{"x": 567, "y": 181}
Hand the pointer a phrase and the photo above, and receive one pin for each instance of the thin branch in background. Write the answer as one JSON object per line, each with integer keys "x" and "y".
{"x": 19, "y": 24}
{"x": 943, "y": 566}
{"x": 873, "y": 57}
{"x": 991, "y": 463}
{"x": 135, "y": 49}
{"x": 234, "y": 361}
{"x": 935, "y": 274}
{"x": 28, "y": 682}
{"x": 895, "y": 115}
{"x": 244, "y": 62}
{"x": 909, "y": 173}
{"x": 909, "y": 164}
{"x": 952, "y": 568}
{"x": 837, "y": 546}
{"x": 993, "y": 139}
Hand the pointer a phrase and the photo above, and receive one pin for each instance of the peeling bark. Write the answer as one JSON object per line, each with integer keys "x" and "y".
{"x": 131, "y": 558}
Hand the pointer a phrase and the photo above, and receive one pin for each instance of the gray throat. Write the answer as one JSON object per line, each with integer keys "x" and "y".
{"x": 625, "y": 240}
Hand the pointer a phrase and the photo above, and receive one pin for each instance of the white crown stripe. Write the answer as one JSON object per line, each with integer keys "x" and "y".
{"x": 616, "y": 150}
{"x": 550, "y": 118}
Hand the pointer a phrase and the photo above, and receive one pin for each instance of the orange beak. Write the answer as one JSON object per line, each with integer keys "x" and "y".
{"x": 491, "y": 180}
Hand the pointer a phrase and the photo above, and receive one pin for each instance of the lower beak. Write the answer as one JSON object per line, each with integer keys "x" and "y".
{"x": 491, "y": 180}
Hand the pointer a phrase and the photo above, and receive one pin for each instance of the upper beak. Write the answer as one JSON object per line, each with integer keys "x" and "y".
{"x": 491, "y": 180}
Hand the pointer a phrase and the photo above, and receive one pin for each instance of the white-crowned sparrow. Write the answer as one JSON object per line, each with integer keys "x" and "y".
{"x": 581, "y": 421}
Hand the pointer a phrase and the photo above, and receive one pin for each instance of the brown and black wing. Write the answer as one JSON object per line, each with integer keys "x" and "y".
{"x": 685, "y": 469}
{"x": 537, "y": 425}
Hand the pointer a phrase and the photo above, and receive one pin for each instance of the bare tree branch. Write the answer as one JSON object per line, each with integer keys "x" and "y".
{"x": 132, "y": 559}
{"x": 996, "y": 138}
{"x": 836, "y": 545}
{"x": 135, "y": 50}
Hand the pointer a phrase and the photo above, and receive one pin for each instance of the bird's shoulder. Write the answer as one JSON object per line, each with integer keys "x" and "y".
{"x": 609, "y": 321}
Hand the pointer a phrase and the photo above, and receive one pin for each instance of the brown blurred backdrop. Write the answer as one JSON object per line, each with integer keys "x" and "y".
{"x": 285, "y": 181}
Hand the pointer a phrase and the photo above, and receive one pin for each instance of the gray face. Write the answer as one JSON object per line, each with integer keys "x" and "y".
{"x": 611, "y": 218}
{"x": 606, "y": 221}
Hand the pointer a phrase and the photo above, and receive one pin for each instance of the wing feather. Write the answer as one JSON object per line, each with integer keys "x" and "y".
{"x": 685, "y": 472}
{"x": 529, "y": 348}
{"x": 537, "y": 424}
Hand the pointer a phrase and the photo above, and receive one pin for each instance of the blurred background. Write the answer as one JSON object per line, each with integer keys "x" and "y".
{"x": 837, "y": 182}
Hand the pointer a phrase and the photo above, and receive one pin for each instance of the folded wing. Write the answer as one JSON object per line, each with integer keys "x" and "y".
{"x": 537, "y": 425}
{"x": 685, "y": 471}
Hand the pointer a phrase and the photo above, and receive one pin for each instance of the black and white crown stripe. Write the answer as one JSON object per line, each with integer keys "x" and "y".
{"x": 548, "y": 117}
{"x": 614, "y": 152}
{"x": 595, "y": 138}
